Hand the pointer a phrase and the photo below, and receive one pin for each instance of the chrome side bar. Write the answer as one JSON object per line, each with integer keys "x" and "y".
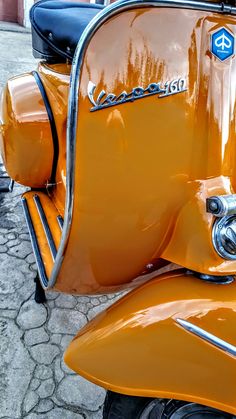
{"x": 34, "y": 242}
{"x": 46, "y": 227}
{"x": 60, "y": 221}
{"x": 208, "y": 337}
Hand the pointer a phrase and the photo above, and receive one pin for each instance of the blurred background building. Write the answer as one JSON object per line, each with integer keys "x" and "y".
{"x": 16, "y": 11}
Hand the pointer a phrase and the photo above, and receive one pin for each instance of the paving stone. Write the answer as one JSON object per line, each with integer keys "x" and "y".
{"x": 11, "y": 236}
{"x": 83, "y": 308}
{"x": 66, "y": 369}
{"x": 35, "y": 336}
{"x": 66, "y": 321}
{"x": 35, "y": 383}
{"x": 52, "y": 295}
{"x": 13, "y": 243}
{"x": 83, "y": 299}
{"x": 95, "y": 301}
{"x": 44, "y": 406}
{"x": 15, "y": 269}
{"x": 50, "y": 303}
{"x": 97, "y": 415}
{"x": 21, "y": 250}
{"x": 3, "y": 240}
{"x": 66, "y": 301}
{"x": 34, "y": 267}
{"x": 16, "y": 369}
{"x": 96, "y": 310}
{"x": 44, "y": 353}
{"x": 24, "y": 236}
{"x": 59, "y": 413}
{"x": 59, "y": 375}
{"x": 31, "y": 315}
{"x": 57, "y": 402}
{"x": 30, "y": 258}
{"x": 43, "y": 372}
{"x": 3, "y": 249}
{"x": 3, "y": 231}
{"x": 65, "y": 414}
{"x": 76, "y": 391}
{"x": 55, "y": 338}
{"x": 103, "y": 299}
{"x": 65, "y": 341}
{"x": 14, "y": 300}
{"x": 8, "y": 314}
{"x": 30, "y": 401}
{"x": 46, "y": 388}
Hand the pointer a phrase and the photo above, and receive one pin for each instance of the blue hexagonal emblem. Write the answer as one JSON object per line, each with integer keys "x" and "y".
{"x": 222, "y": 44}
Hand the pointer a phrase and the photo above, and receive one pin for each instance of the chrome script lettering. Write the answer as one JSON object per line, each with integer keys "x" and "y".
{"x": 105, "y": 100}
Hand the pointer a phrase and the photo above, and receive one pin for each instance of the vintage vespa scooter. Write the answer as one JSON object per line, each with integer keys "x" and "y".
{"x": 130, "y": 154}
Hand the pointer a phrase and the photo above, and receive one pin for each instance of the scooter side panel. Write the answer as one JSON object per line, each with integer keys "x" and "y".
{"x": 144, "y": 168}
{"x": 26, "y": 141}
{"x": 137, "y": 347}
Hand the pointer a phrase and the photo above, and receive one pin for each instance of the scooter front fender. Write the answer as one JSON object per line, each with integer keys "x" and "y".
{"x": 144, "y": 344}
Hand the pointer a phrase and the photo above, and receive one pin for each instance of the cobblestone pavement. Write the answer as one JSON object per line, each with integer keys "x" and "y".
{"x": 34, "y": 381}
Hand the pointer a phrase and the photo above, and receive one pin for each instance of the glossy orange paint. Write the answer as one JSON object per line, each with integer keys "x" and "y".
{"x": 56, "y": 79}
{"x": 136, "y": 347}
{"x": 143, "y": 170}
{"x": 25, "y": 134}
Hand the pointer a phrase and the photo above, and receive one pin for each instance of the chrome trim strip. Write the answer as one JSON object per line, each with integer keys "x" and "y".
{"x": 60, "y": 221}
{"x": 40, "y": 265}
{"x": 46, "y": 227}
{"x": 208, "y": 337}
{"x": 98, "y": 20}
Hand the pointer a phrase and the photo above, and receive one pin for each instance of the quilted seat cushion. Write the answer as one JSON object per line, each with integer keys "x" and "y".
{"x": 57, "y": 26}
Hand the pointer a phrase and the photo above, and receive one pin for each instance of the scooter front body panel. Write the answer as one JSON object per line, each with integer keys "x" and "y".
{"x": 138, "y": 346}
{"x": 150, "y": 136}
{"x": 140, "y": 168}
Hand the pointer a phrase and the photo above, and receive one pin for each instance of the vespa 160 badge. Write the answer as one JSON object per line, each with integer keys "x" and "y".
{"x": 105, "y": 100}
{"x": 222, "y": 44}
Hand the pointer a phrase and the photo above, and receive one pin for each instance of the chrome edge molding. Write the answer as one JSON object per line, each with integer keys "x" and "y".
{"x": 208, "y": 337}
{"x": 96, "y": 22}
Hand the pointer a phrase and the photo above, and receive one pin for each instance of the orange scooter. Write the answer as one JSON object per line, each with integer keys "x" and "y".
{"x": 126, "y": 135}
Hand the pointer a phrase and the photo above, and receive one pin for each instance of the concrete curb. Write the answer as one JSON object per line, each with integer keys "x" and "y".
{"x": 13, "y": 27}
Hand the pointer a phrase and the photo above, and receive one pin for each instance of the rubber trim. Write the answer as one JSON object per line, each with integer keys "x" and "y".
{"x": 52, "y": 124}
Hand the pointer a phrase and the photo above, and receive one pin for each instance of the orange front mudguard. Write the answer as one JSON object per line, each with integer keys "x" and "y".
{"x": 140, "y": 346}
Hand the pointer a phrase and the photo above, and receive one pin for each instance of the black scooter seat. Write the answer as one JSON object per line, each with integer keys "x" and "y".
{"x": 57, "y": 26}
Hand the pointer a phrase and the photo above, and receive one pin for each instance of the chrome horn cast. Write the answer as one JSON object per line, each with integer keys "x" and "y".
{"x": 224, "y": 229}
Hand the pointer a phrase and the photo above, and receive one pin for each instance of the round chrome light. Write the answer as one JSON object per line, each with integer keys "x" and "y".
{"x": 224, "y": 237}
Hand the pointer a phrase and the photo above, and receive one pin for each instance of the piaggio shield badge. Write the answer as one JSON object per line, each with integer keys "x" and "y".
{"x": 222, "y": 44}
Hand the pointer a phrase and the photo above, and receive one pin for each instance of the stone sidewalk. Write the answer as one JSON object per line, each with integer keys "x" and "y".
{"x": 34, "y": 381}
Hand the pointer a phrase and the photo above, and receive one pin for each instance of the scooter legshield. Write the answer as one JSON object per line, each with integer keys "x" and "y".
{"x": 153, "y": 342}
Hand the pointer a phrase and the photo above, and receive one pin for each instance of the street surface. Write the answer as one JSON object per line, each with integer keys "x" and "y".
{"x": 34, "y": 381}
